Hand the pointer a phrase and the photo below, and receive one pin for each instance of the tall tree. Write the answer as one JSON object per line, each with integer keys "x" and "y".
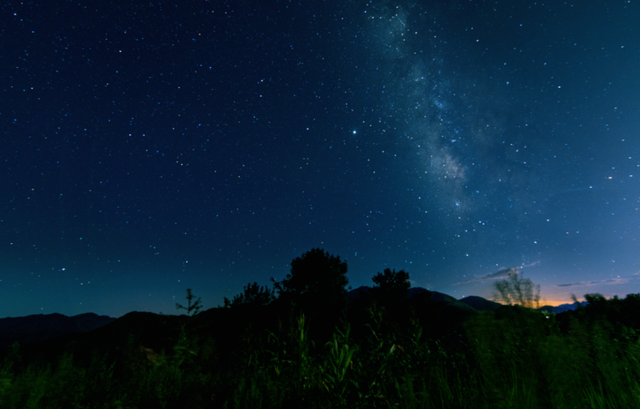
{"x": 391, "y": 287}
{"x": 316, "y": 277}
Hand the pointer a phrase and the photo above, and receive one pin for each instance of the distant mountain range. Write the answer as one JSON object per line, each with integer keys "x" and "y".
{"x": 475, "y": 302}
{"x": 563, "y": 307}
{"x": 34, "y": 329}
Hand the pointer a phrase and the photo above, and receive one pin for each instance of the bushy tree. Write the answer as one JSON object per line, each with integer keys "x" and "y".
{"x": 390, "y": 287}
{"x": 596, "y": 301}
{"x": 316, "y": 277}
{"x": 614, "y": 310}
{"x": 516, "y": 289}
{"x": 253, "y": 295}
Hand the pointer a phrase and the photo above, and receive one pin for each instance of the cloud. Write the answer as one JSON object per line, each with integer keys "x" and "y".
{"x": 534, "y": 264}
{"x": 611, "y": 281}
{"x": 501, "y": 274}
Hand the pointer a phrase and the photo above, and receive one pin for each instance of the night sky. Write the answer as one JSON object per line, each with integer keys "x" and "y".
{"x": 150, "y": 147}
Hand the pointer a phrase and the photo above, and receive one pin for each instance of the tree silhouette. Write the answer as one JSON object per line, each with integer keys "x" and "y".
{"x": 193, "y": 308}
{"x": 253, "y": 295}
{"x": 316, "y": 277}
{"x": 391, "y": 287}
{"x": 517, "y": 290}
{"x": 596, "y": 302}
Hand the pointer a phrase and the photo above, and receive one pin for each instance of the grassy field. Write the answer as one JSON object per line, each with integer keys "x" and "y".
{"x": 511, "y": 358}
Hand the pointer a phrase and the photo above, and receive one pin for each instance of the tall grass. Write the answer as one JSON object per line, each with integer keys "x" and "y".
{"x": 516, "y": 358}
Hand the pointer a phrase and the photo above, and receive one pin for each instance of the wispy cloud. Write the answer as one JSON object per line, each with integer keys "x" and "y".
{"x": 611, "y": 281}
{"x": 501, "y": 274}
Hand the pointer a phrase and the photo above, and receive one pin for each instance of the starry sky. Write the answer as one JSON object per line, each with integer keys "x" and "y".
{"x": 150, "y": 147}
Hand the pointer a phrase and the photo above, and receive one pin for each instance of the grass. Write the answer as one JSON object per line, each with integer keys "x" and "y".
{"x": 512, "y": 359}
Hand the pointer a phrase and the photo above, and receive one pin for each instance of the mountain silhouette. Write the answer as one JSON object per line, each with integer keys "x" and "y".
{"x": 33, "y": 329}
{"x": 563, "y": 307}
{"x": 480, "y": 304}
{"x": 50, "y": 334}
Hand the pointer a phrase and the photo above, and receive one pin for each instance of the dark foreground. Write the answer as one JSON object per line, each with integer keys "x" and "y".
{"x": 414, "y": 355}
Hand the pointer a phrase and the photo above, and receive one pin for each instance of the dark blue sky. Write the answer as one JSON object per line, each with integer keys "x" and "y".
{"x": 151, "y": 147}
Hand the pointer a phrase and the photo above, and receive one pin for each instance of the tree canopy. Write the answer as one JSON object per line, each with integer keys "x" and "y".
{"x": 253, "y": 295}
{"x": 316, "y": 276}
{"x": 391, "y": 287}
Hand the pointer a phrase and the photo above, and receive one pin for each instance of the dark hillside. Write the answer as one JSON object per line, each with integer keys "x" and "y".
{"x": 39, "y": 328}
{"x": 480, "y": 304}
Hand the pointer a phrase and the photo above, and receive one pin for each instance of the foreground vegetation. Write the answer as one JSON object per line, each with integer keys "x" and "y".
{"x": 513, "y": 358}
{"x": 312, "y": 347}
